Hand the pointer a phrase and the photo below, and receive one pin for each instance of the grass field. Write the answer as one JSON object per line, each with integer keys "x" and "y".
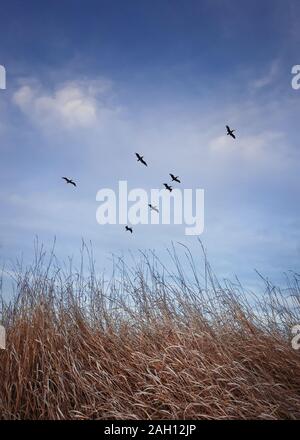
{"x": 149, "y": 343}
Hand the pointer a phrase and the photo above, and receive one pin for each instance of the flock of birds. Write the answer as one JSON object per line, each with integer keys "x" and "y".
{"x": 166, "y": 185}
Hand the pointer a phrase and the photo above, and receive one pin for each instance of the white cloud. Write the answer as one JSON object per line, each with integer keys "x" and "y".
{"x": 251, "y": 147}
{"x": 269, "y": 77}
{"x": 73, "y": 104}
{"x": 263, "y": 152}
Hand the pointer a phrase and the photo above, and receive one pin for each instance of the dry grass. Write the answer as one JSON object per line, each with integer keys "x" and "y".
{"x": 148, "y": 344}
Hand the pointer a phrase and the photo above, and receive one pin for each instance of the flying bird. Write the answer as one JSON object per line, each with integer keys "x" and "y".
{"x": 175, "y": 178}
{"x": 168, "y": 187}
{"x": 230, "y": 132}
{"x": 141, "y": 159}
{"x": 129, "y": 229}
{"x": 69, "y": 181}
{"x": 153, "y": 208}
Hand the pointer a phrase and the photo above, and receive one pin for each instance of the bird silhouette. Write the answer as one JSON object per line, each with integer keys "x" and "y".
{"x": 153, "y": 208}
{"x": 168, "y": 187}
{"x": 69, "y": 181}
{"x": 129, "y": 229}
{"x": 230, "y": 132}
{"x": 175, "y": 178}
{"x": 141, "y": 159}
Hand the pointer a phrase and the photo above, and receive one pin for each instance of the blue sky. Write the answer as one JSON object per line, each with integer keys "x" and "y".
{"x": 91, "y": 82}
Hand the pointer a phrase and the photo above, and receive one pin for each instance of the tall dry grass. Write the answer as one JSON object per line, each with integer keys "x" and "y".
{"x": 146, "y": 344}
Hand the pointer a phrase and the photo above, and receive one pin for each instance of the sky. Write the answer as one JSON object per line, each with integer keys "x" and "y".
{"x": 89, "y": 83}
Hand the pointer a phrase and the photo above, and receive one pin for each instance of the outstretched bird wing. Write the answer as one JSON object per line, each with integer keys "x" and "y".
{"x": 69, "y": 181}
{"x": 153, "y": 208}
{"x": 143, "y": 162}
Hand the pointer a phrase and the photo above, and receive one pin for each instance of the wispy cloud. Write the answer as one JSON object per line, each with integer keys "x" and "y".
{"x": 268, "y": 77}
{"x": 264, "y": 149}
